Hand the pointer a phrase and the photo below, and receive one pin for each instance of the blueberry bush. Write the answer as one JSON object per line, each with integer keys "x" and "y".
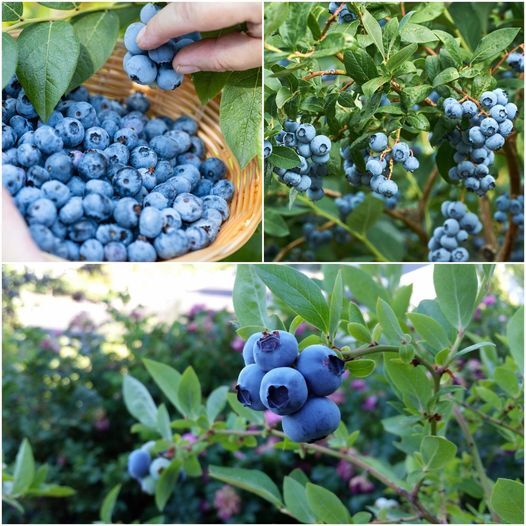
{"x": 53, "y": 47}
{"x": 380, "y": 118}
{"x": 429, "y": 405}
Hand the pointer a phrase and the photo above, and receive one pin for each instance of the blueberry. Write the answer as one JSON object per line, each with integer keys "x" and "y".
{"x": 275, "y": 349}
{"x": 182, "y": 139}
{"x": 489, "y": 126}
{"x": 487, "y": 183}
{"x": 76, "y": 186}
{"x": 465, "y": 169}
{"x": 292, "y": 178}
{"x": 82, "y": 230}
{"x": 57, "y": 192}
{"x": 20, "y": 125}
{"x": 28, "y": 155}
{"x": 479, "y": 155}
{"x": 148, "y": 11}
{"x": 469, "y": 108}
{"x": 248, "y": 387}
{"x": 488, "y": 99}
{"x": 42, "y": 211}
{"x": 83, "y": 112}
{"x": 96, "y": 138}
{"x": 500, "y": 217}
{"x": 291, "y": 126}
{"x": 441, "y": 255}
{"x": 315, "y": 194}
{"x": 189, "y": 172}
{"x": 127, "y": 182}
{"x": 321, "y": 368}
{"x": 138, "y": 102}
{"x": 453, "y": 110}
{"x": 47, "y": 140}
{"x": 163, "y": 54}
{"x": 143, "y": 157}
{"x": 224, "y": 189}
{"x": 126, "y": 212}
{"x": 141, "y": 251}
{"x": 115, "y": 251}
{"x": 305, "y": 133}
{"x": 388, "y": 188}
{"x": 411, "y": 164}
{"x": 283, "y": 390}
{"x": 374, "y": 167}
{"x": 470, "y": 223}
{"x": 495, "y": 142}
{"x": 515, "y": 206}
{"x": 318, "y": 418}
{"x": 42, "y": 236}
{"x": 451, "y": 227}
{"x": 511, "y": 110}
{"x": 460, "y": 254}
{"x": 97, "y": 206}
{"x": 502, "y": 96}
{"x": 24, "y": 106}
{"x": 400, "y": 152}
{"x": 320, "y": 145}
{"x": 13, "y": 178}
{"x": 171, "y": 244}
{"x": 472, "y": 184}
{"x": 506, "y": 128}
{"x": 189, "y": 206}
{"x": 456, "y": 210}
{"x": 150, "y": 222}
{"x": 462, "y": 236}
{"x": 93, "y": 165}
{"x": 141, "y": 69}
{"x": 186, "y": 124}
{"x": 9, "y": 137}
{"x": 71, "y": 131}
{"x": 72, "y": 211}
{"x": 130, "y": 37}
{"x": 13, "y": 87}
{"x": 304, "y": 184}
{"x": 165, "y": 147}
{"x": 117, "y": 153}
{"x": 26, "y": 196}
{"x": 248, "y": 349}
{"x": 158, "y": 466}
{"x": 171, "y": 219}
{"x": 499, "y": 113}
{"x": 91, "y": 250}
{"x": 197, "y": 237}
{"x": 218, "y": 203}
{"x": 320, "y": 159}
{"x": 267, "y": 149}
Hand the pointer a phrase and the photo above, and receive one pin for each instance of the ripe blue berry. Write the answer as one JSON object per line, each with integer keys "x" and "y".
{"x": 321, "y": 368}
{"x": 275, "y": 349}
{"x": 283, "y": 390}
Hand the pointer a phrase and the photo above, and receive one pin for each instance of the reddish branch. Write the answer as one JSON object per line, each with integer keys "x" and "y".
{"x": 330, "y": 20}
{"x": 489, "y": 234}
{"x": 499, "y": 63}
{"x": 313, "y": 74}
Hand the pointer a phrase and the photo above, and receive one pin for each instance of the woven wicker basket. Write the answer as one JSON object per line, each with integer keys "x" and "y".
{"x": 245, "y": 209}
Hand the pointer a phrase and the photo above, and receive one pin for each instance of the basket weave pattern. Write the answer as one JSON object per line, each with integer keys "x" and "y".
{"x": 246, "y": 206}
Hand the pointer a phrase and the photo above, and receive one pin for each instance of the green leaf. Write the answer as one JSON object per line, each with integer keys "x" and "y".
{"x": 355, "y": 314}
{"x": 208, "y": 84}
{"x": 363, "y": 287}
{"x": 336, "y": 304}
{"x": 97, "y": 34}
{"x": 283, "y": 96}
{"x": 389, "y": 322}
{"x": 24, "y": 469}
{"x": 401, "y": 57}
{"x": 275, "y": 15}
{"x": 445, "y": 77}
{"x": 313, "y": 339}
{"x": 401, "y": 299}
{"x": 247, "y": 331}
{"x": 284, "y": 157}
{"x": 139, "y": 402}
{"x": 240, "y": 114}
{"x": 166, "y": 484}
{"x": 507, "y": 381}
{"x": 275, "y": 224}
{"x": 9, "y": 58}
{"x": 444, "y": 160}
{"x": 432, "y": 332}
{"x": 163, "y": 422}
{"x": 302, "y": 295}
{"x": 189, "y": 393}
{"x": 216, "y": 403}
{"x": 371, "y": 87}
{"x": 47, "y": 58}
{"x": 192, "y": 467}
{"x": 474, "y": 347}
{"x": 295, "y": 497}
{"x": 358, "y": 331}
{"x": 166, "y": 378}
{"x": 373, "y": 29}
{"x": 437, "y": 451}
{"x": 515, "y": 334}
{"x": 51, "y": 490}
{"x": 365, "y": 215}
{"x": 417, "y": 34}
{"x": 415, "y": 94}
{"x": 295, "y": 323}
{"x": 507, "y": 500}
{"x": 409, "y": 380}
{"x": 451, "y": 45}
{"x": 294, "y": 28}
{"x": 63, "y": 6}
{"x": 361, "y": 368}
{"x": 108, "y": 504}
{"x": 250, "y": 480}
{"x": 362, "y": 517}
{"x": 249, "y": 297}
{"x": 467, "y": 21}
{"x": 494, "y": 43}
{"x": 246, "y": 413}
{"x": 456, "y": 289}
{"x": 12, "y": 11}
{"x": 407, "y": 353}
{"x": 359, "y": 65}
{"x": 326, "y": 506}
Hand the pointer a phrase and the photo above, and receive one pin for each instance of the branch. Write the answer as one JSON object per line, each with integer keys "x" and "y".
{"x": 327, "y": 72}
{"x": 489, "y": 233}
{"x": 499, "y": 63}
{"x": 370, "y": 349}
{"x": 396, "y": 87}
{"x": 426, "y": 193}
{"x": 412, "y": 225}
{"x": 492, "y": 420}
{"x": 330, "y": 20}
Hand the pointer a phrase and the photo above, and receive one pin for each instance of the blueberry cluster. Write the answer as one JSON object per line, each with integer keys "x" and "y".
{"x": 314, "y": 153}
{"x": 459, "y": 225}
{"x": 295, "y": 385}
{"x": 348, "y": 202}
{"x": 507, "y": 207}
{"x": 314, "y": 237}
{"x": 153, "y": 67}
{"x": 516, "y": 61}
{"x": 145, "y": 469}
{"x": 344, "y": 16}
{"x": 379, "y": 160}
{"x": 477, "y": 135}
{"x": 103, "y": 181}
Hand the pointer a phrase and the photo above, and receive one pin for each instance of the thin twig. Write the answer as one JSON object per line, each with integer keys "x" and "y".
{"x": 426, "y": 193}
{"x": 489, "y": 234}
{"x": 499, "y": 63}
{"x": 492, "y": 420}
{"x": 326, "y": 72}
{"x": 330, "y": 20}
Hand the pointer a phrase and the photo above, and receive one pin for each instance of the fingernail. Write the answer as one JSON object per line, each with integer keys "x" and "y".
{"x": 140, "y": 36}
{"x": 186, "y": 70}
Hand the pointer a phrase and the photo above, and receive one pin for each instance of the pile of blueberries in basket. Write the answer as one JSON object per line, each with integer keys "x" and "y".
{"x": 103, "y": 181}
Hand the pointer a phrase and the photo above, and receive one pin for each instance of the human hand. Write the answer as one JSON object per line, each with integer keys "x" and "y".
{"x": 17, "y": 243}
{"x": 236, "y": 51}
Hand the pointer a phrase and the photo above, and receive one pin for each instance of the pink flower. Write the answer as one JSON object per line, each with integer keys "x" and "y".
{"x": 345, "y": 470}
{"x": 226, "y": 502}
{"x": 189, "y": 437}
{"x": 358, "y": 385}
{"x": 489, "y": 300}
{"x": 102, "y": 424}
{"x": 503, "y": 319}
{"x": 360, "y": 484}
{"x": 50, "y": 344}
{"x": 137, "y": 314}
{"x": 268, "y": 445}
{"x": 196, "y": 309}
{"x": 302, "y": 327}
{"x": 369, "y": 404}
{"x": 271, "y": 418}
{"x": 477, "y": 314}
{"x": 338, "y": 397}
{"x": 237, "y": 344}
{"x": 192, "y": 327}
